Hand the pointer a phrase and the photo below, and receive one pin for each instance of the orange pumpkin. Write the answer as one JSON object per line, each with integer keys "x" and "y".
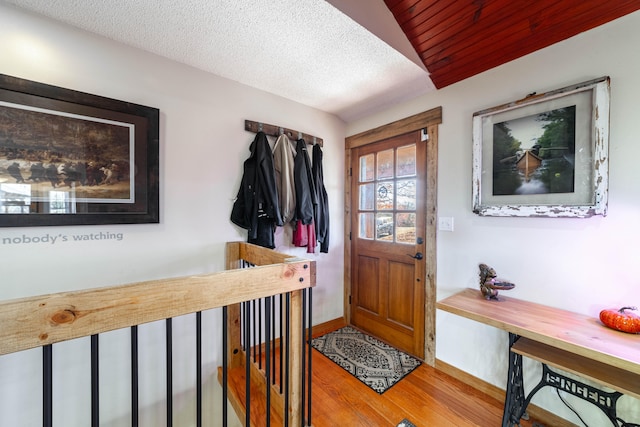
{"x": 621, "y": 320}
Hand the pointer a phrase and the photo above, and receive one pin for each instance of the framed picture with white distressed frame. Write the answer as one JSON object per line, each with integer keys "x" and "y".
{"x": 545, "y": 155}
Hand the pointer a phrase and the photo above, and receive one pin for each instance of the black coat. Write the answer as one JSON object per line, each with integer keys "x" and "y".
{"x": 306, "y": 197}
{"x": 256, "y": 206}
{"x": 322, "y": 208}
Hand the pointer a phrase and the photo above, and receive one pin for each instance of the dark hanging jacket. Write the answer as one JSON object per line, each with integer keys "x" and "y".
{"x": 304, "y": 233}
{"x": 256, "y": 206}
{"x": 306, "y": 198}
{"x": 321, "y": 217}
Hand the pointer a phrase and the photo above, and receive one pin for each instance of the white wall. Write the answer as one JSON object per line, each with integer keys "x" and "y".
{"x": 202, "y": 147}
{"x": 583, "y": 265}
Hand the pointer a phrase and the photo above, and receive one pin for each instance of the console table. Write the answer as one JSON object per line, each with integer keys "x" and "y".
{"x": 561, "y": 339}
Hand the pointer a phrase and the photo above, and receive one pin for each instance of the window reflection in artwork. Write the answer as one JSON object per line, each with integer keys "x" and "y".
{"x": 61, "y": 202}
{"x": 15, "y": 198}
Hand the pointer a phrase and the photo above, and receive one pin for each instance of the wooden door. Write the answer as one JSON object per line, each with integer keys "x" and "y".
{"x": 388, "y": 226}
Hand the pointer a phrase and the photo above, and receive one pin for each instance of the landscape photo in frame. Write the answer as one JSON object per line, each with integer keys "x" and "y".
{"x": 535, "y": 154}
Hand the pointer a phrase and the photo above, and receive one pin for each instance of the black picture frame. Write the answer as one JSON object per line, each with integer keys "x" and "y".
{"x": 104, "y": 151}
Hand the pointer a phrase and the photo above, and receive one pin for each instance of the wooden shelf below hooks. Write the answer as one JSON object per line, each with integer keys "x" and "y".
{"x": 276, "y": 131}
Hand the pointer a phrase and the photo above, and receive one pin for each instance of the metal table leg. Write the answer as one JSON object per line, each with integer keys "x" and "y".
{"x": 514, "y": 404}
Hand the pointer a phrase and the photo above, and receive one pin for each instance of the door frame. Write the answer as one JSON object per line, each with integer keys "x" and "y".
{"x": 428, "y": 120}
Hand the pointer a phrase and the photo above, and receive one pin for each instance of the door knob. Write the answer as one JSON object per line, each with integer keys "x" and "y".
{"x": 418, "y": 255}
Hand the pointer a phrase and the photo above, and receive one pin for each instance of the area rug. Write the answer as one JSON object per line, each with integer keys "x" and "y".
{"x": 373, "y": 362}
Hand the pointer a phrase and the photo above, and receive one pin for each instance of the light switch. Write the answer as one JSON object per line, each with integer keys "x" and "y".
{"x": 445, "y": 223}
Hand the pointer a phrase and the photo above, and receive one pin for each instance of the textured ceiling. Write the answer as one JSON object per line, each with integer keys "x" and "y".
{"x": 304, "y": 50}
{"x": 347, "y": 57}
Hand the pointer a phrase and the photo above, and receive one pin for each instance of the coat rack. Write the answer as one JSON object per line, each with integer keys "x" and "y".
{"x": 276, "y": 131}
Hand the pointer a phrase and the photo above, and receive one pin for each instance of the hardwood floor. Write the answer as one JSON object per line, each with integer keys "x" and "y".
{"x": 427, "y": 397}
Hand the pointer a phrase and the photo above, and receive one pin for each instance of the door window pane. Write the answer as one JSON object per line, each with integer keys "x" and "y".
{"x": 406, "y": 164}
{"x": 406, "y": 228}
{"x": 366, "y": 168}
{"x": 365, "y": 226}
{"x": 384, "y": 227}
{"x": 384, "y": 196}
{"x": 406, "y": 199}
{"x": 385, "y": 164}
{"x": 367, "y": 198}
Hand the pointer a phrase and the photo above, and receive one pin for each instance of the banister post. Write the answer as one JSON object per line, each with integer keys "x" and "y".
{"x": 295, "y": 379}
{"x": 234, "y": 355}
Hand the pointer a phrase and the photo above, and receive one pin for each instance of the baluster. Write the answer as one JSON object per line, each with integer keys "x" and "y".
{"x": 47, "y": 385}
{"x": 199, "y": 369}
{"x": 169, "y": 340}
{"x": 95, "y": 381}
{"x": 247, "y": 325}
{"x": 267, "y": 361}
{"x": 309, "y": 348}
{"x": 225, "y": 364}
{"x": 282, "y": 341}
{"x": 303, "y": 357}
{"x": 287, "y": 361}
{"x": 134, "y": 377}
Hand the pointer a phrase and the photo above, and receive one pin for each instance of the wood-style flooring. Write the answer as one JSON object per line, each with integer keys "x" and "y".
{"x": 427, "y": 397}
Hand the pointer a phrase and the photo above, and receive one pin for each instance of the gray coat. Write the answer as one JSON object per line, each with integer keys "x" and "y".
{"x": 283, "y": 161}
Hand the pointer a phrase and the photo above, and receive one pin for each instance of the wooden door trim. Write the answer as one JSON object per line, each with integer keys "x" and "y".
{"x": 399, "y": 127}
{"x": 428, "y": 120}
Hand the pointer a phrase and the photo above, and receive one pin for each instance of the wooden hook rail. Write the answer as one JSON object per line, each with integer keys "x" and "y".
{"x": 276, "y": 131}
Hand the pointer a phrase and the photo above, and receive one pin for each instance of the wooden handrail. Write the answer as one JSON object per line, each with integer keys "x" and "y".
{"x": 46, "y": 319}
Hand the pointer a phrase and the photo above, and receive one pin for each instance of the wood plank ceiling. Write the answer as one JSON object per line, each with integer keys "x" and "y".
{"x": 457, "y": 39}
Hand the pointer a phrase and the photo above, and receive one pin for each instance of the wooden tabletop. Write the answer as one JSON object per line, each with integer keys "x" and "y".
{"x": 573, "y": 332}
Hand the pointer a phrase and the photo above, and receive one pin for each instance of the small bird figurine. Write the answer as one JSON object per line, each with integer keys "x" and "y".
{"x": 490, "y": 285}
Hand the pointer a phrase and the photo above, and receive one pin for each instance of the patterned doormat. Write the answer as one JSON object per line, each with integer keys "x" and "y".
{"x": 373, "y": 362}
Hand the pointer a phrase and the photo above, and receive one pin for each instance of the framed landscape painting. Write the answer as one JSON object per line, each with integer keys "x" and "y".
{"x": 71, "y": 158}
{"x": 545, "y": 155}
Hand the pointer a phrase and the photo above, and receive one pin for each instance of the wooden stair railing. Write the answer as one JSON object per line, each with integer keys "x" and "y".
{"x": 45, "y": 321}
